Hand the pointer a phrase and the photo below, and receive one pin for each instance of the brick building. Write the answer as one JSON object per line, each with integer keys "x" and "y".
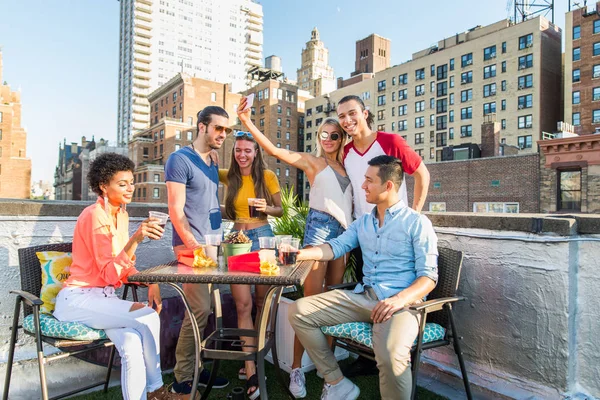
{"x": 173, "y": 109}
{"x": 582, "y": 69}
{"x": 70, "y": 175}
{"x": 15, "y": 167}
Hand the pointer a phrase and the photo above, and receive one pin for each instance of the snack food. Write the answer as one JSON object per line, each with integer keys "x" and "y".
{"x": 269, "y": 268}
{"x": 237, "y": 237}
{"x": 201, "y": 260}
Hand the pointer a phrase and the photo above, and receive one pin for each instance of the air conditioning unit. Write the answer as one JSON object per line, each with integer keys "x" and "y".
{"x": 464, "y": 81}
{"x": 596, "y": 74}
{"x": 492, "y": 92}
{"x": 528, "y": 125}
{"x": 530, "y": 44}
{"x": 521, "y": 106}
{"x": 493, "y": 55}
{"x": 468, "y": 62}
{"x": 521, "y": 87}
{"x": 522, "y": 66}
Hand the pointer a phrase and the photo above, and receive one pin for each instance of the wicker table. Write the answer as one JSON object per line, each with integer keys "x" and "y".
{"x": 174, "y": 273}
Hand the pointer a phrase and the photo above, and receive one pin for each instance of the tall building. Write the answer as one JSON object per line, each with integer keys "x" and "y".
{"x": 582, "y": 70}
{"x": 503, "y": 72}
{"x": 372, "y": 55}
{"x": 278, "y": 111}
{"x": 217, "y": 40}
{"x": 315, "y": 75}
{"x": 173, "y": 109}
{"x": 70, "y": 175}
{"x": 15, "y": 167}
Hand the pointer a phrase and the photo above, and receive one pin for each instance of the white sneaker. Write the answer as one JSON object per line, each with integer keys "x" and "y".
{"x": 343, "y": 390}
{"x": 298, "y": 383}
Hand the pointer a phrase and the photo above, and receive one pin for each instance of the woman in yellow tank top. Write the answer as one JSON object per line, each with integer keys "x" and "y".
{"x": 246, "y": 178}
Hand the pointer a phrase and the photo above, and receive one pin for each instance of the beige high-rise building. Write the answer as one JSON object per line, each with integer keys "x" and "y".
{"x": 503, "y": 72}
{"x": 315, "y": 75}
{"x": 15, "y": 167}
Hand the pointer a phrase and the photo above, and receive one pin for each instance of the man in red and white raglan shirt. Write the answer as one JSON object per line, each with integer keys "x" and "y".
{"x": 367, "y": 144}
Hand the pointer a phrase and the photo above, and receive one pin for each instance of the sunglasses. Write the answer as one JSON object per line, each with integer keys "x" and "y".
{"x": 333, "y": 136}
{"x": 221, "y": 129}
{"x": 242, "y": 134}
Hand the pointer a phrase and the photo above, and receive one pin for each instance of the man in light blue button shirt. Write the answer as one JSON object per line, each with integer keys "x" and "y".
{"x": 400, "y": 254}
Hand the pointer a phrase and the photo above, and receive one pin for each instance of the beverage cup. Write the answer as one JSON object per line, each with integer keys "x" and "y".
{"x": 288, "y": 251}
{"x": 162, "y": 218}
{"x": 254, "y": 213}
{"x": 213, "y": 245}
{"x": 267, "y": 242}
{"x": 278, "y": 239}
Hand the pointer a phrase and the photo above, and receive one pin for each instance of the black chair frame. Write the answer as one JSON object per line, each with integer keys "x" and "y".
{"x": 28, "y": 297}
{"x": 438, "y": 309}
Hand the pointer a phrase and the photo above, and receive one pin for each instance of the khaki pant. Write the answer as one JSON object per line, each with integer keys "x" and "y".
{"x": 198, "y": 297}
{"x": 392, "y": 340}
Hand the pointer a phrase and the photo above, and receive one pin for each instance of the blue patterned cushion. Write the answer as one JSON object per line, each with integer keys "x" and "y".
{"x": 362, "y": 332}
{"x": 52, "y": 327}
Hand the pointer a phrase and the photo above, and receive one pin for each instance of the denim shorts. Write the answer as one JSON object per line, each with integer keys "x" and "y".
{"x": 321, "y": 228}
{"x": 254, "y": 234}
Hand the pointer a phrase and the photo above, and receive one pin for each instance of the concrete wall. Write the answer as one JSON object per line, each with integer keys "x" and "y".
{"x": 530, "y": 323}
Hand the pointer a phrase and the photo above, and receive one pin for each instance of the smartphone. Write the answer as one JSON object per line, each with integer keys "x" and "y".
{"x": 249, "y": 101}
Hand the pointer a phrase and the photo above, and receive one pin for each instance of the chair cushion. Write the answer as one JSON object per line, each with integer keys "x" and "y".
{"x": 362, "y": 332}
{"x": 55, "y": 270}
{"x": 52, "y": 327}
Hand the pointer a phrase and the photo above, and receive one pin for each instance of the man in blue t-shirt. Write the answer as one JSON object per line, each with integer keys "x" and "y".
{"x": 192, "y": 179}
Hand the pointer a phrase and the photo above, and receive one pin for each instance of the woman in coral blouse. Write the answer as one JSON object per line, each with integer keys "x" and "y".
{"x": 103, "y": 257}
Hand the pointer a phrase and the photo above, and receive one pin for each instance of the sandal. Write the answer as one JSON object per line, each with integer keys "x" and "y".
{"x": 250, "y": 383}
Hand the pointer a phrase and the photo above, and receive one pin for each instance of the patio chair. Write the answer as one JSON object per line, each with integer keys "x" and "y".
{"x": 31, "y": 283}
{"x": 437, "y": 327}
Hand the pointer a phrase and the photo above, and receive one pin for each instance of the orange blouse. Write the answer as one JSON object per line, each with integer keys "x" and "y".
{"x": 98, "y": 256}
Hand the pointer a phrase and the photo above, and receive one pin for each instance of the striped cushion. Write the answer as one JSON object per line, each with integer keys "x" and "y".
{"x": 362, "y": 332}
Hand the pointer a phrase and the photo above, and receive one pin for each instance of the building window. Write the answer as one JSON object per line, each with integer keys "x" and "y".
{"x": 278, "y": 121}
{"x": 403, "y": 79}
{"x": 577, "y": 54}
{"x": 451, "y": 99}
{"x": 525, "y": 81}
{"x": 381, "y": 100}
{"x": 174, "y": 96}
{"x": 402, "y": 94}
{"x": 261, "y": 122}
{"x": 596, "y": 26}
{"x": 261, "y": 110}
{"x": 442, "y": 89}
{"x": 451, "y": 84}
{"x": 442, "y": 106}
{"x": 189, "y": 135}
{"x": 489, "y": 52}
{"x": 569, "y": 190}
{"x": 437, "y": 207}
{"x": 466, "y": 95}
{"x": 420, "y": 74}
{"x": 451, "y": 133}
{"x": 511, "y": 208}
{"x": 157, "y": 176}
{"x": 466, "y": 60}
{"x": 287, "y": 136}
{"x": 419, "y": 138}
{"x": 596, "y": 117}
{"x": 178, "y": 135}
{"x": 576, "y": 97}
{"x": 420, "y": 106}
{"x": 596, "y": 71}
{"x": 466, "y": 113}
{"x": 432, "y": 70}
{"x": 489, "y": 90}
{"x": 503, "y": 85}
{"x": 466, "y": 77}
{"x": 402, "y": 125}
{"x": 595, "y": 97}
{"x": 393, "y": 80}
{"x": 174, "y": 108}
{"x": 288, "y": 123}
{"x": 318, "y": 121}
{"x": 287, "y": 146}
{"x": 503, "y": 105}
{"x": 503, "y": 47}
{"x": 576, "y": 32}
{"x": 419, "y": 122}
{"x": 393, "y": 124}
{"x": 466, "y": 131}
{"x": 419, "y": 90}
{"x": 380, "y": 115}
{"x": 213, "y": 96}
{"x": 442, "y": 71}
{"x": 503, "y": 66}
{"x": 576, "y": 119}
{"x": 156, "y": 193}
{"x": 402, "y": 110}
{"x": 162, "y": 134}
{"x": 177, "y": 147}
{"x": 440, "y": 139}
{"x": 526, "y": 41}
{"x": 489, "y": 108}
{"x": 524, "y": 142}
{"x": 526, "y": 61}
{"x": 451, "y": 116}
{"x": 576, "y": 75}
{"x": 525, "y": 101}
{"x": 597, "y": 49}
{"x": 451, "y": 64}
{"x": 503, "y": 124}
{"x": 393, "y": 96}
{"x": 432, "y": 120}
{"x": 489, "y": 71}
{"x": 525, "y": 121}
{"x": 381, "y": 86}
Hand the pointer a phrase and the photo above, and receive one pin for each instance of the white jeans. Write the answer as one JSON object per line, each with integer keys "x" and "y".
{"x": 135, "y": 334}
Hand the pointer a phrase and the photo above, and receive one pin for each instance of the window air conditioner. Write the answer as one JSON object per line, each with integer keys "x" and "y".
{"x": 528, "y": 125}
{"x": 464, "y": 81}
{"x": 521, "y": 106}
{"x": 522, "y": 66}
{"x": 468, "y": 62}
{"x": 596, "y": 74}
{"x": 492, "y": 92}
{"x": 521, "y": 87}
{"x": 493, "y": 55}
{"x": 530, "y": 44}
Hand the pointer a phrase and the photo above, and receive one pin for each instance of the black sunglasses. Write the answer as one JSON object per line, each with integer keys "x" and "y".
{"x": 332, "y": 136}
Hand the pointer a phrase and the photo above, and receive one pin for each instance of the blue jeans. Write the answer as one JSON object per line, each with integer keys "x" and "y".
{"x": 320, "y": 228}
{"x": 254, "y": 234}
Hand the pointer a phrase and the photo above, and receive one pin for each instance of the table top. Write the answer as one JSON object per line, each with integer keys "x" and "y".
{"x": 174, "y": 272}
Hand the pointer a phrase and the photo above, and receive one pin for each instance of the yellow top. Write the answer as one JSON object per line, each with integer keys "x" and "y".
{"x": 240, "y": 204}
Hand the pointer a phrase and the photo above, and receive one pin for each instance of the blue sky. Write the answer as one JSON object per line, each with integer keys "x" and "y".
{"x": 63, "y": 54}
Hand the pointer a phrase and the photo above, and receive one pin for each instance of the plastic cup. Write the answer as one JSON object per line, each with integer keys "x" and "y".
{"x": 254, "y": 213}
{"x": 267, "y": 242}
{"x": 278, "y": 239}
{"x": 162, "y": 217}
{"x": 212, "y": 245}
{"x": 288, "y": 251}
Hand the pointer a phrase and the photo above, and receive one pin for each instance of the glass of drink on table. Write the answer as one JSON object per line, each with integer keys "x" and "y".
{"x": 288, "y": 251}
{"x": 254, "y": 213}
{"x": 162, "y": 218}
{"x": 212, "y": 246}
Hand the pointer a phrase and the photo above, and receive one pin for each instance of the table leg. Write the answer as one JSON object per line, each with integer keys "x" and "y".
{"x": 218, "y": 325}
{"x": 197, "y": 339}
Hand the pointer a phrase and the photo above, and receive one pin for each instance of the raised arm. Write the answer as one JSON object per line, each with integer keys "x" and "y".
{"x": 304, "y": 161}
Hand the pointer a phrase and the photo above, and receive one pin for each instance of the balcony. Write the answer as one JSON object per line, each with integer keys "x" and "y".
{"x": 530, "y": 279}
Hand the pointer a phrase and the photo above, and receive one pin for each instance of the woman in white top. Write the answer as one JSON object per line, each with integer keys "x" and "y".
{"x": 330, "y": 209}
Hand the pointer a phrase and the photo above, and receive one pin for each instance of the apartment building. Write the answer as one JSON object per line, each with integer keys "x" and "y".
{"x": 315, "y": 75}
{"x": 173, "y": 110}
{"x": 321, "y": 107}
{"x": 582, "y": 69}
{"x": 278, "y": 112}
{"x": 15, "y": 167}
{"x": 217, "y": 40}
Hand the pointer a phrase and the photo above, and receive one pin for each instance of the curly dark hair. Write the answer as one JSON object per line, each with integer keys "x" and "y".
{"x": 104, "y": 167}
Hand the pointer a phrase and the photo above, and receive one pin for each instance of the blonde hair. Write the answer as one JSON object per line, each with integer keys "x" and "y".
{"x": 343, "y": 138}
